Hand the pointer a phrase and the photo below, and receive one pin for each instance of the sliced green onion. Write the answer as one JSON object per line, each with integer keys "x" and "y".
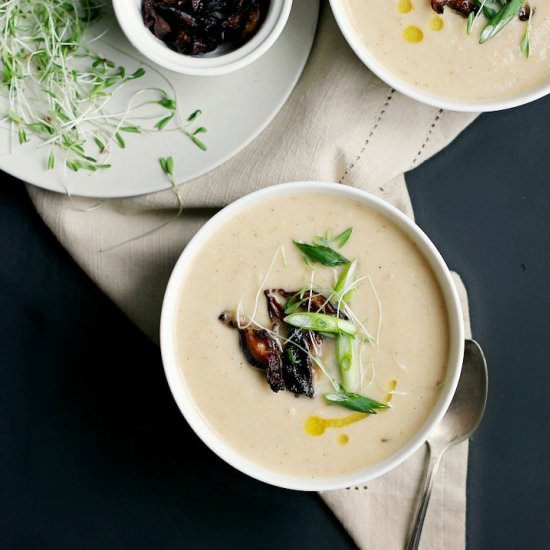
{"x": 349, "y": 370}
{"x": 321, "y": 254}
{"x": 500, "y": 20}
{"x": 319, "y": 322}
{"x": 343, "y": 286}
{"x": 354, "y": 402}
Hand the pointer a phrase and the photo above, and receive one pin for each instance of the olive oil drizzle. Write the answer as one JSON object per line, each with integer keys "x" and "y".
{"x": 316, "y": 425}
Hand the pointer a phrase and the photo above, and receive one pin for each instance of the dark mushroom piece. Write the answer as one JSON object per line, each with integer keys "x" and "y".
{"x": 261, "y": 350}
{"x": 464, "y": 7}
{"x": 297, "y": 368}
{"x": 276, "y": 300}
{"x": 154, "y": 21}
{"x": 195, "y": 27}
{"x": 525, "y": 12}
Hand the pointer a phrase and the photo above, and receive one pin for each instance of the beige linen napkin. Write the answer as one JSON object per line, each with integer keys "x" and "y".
{"x": 341, "y": 124}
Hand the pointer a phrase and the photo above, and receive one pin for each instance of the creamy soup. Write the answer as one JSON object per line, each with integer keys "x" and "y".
{"x": 396, "y": 300}
{"x": 435, "y": 54}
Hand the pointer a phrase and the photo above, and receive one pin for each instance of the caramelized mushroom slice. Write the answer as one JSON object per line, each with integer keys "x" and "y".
{"x": 154, "y": 21}
{"x": 194, "y": 27}
{"x": 297, "y": 368}
{"x": 276, "y": 300}
{"x": 261, "y": 350}
{"x": 465, "y": 7}
{"x": 525, "y": 12}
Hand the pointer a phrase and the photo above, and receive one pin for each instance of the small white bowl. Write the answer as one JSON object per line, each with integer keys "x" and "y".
{"x": 181, "y": 392}
{"x": 402, "y": 86}
{"x": 128, "y": 13}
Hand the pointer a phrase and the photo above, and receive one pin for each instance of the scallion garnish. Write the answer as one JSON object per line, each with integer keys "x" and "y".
{"x": 500, "y": 20}
{"x": 525, "y": 45}
{"x": 347, "y": 362}
{"x": 320, "y": 322}
{"x": 329, "y": 240}
{"x": 343, "y": 288}
{"x": 321, "y": 254}
{"x": 354, "y": 402}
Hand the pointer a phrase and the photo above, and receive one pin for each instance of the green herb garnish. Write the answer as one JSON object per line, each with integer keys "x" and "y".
{"x": 295, "y": 302}
{"x": 354, "y": 402}
{"x": 329, "y": 240}
{"x": 343, "y": 288}
{"x": 488, "y": 7}
{"x": 500, "y": 20}
{"x": 167, "y": 165}
{"x": 321, "y": 254}
{"x": 347, "y": 363}
{"x": 525, "y": 45}
{"x": 320, "y": 322}
{"x": 471, "y": 21}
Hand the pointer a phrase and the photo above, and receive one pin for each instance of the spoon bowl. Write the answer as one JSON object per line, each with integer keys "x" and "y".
{"x": 468, "y": 405}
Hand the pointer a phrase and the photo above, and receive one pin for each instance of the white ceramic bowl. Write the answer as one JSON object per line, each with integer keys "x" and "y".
{"x": 176, "y": 380}
{"x": 407, "y": 89}
{"x": 128, "y": 13}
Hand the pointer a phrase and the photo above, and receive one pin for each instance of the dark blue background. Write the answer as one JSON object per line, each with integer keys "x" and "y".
{"x": 94, "y": 453}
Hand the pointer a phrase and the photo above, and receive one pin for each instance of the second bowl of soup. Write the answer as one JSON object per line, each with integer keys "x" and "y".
{"x": 467, "y": 55}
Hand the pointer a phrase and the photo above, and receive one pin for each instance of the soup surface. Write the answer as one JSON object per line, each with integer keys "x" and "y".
{"x": 435, "y": 54}
{"x": 397, "y": 299}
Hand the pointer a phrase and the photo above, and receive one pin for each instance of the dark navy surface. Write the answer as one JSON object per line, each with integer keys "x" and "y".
{"x": 94, "y": 453}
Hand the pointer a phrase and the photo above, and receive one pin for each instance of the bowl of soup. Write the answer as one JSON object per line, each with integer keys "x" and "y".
{"x": 312, "y": 336}
{"x": 462, "y": 55}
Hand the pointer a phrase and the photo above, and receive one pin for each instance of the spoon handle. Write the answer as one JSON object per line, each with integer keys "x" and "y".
{"x": 435, "y": 459}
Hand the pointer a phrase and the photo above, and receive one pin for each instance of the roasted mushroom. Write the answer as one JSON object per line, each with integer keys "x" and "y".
{"x": 525, "y": 12}
{"x": 290, "y": 366}
{"x": 194, "y": 27}
{"x": 154, "y": 21}
{"x": 276, "y": 300}
{"x": 297, "y": 368}
{"x": 261, "y": 350}
{"x": 465, "y": 7}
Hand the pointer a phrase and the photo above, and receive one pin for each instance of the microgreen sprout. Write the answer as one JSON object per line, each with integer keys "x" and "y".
{"x": 525, "y": 45}
{"x": 167, "y": 166}
{"x": 56, "y": 86}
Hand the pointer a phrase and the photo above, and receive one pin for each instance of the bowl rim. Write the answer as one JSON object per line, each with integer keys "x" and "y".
{"x": 128, "y": 15}
{"x": 199, "y": 423}
{"x": 477, "y": 106}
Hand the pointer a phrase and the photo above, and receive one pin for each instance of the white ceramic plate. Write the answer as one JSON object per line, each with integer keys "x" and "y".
{"x": 236, "y": 108}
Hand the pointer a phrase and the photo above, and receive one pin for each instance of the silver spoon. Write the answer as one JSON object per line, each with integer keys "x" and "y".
{"x": 459, "y": 423}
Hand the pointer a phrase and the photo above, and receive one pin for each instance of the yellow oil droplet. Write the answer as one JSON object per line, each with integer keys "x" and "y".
{"x": 404, "y": 6}
{"x": 343, "y": 439}
{"x": 316, "y": 425}
{"x": 391, "y": 388}
{"x": 413, "y": 34}
{"x": 436, "y": 23}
